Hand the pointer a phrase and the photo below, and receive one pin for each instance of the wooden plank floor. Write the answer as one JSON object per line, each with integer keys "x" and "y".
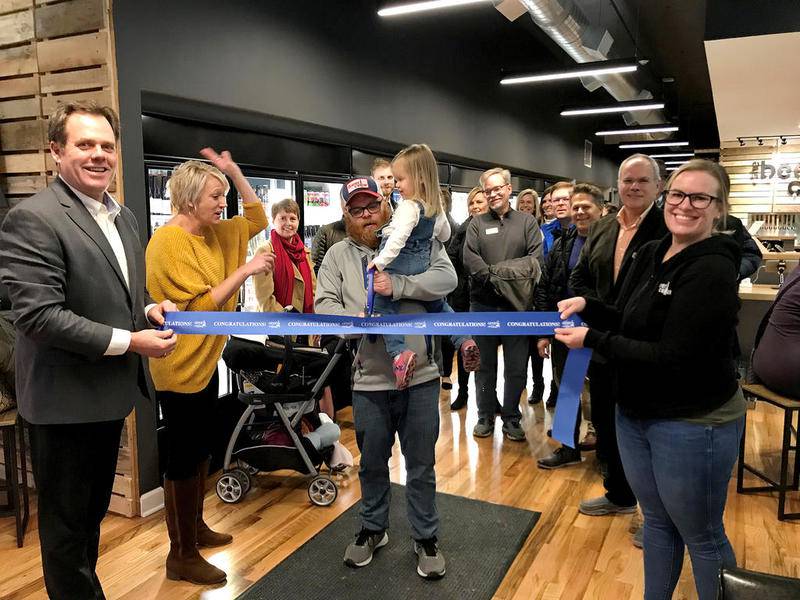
{"x": 568, "y": 555}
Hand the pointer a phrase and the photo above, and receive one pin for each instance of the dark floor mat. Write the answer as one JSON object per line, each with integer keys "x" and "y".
{"x": 479, "y": 540}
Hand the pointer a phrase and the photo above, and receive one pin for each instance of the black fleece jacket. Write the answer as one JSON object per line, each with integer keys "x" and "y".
{"x": 671, "y": 337}
{"x": 554, "y": 282}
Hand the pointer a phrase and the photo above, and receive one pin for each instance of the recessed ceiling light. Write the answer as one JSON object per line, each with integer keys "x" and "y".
{"x": 654, "y": 145}
{"x": 616, "y": 108}
{"x": 632, "y": 130}
{"x": 672, "y": 155}
{"x": 581, "y": 71}
{"x": 405, "y": 9}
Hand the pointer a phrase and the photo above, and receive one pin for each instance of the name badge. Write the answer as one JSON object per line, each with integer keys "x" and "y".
{"x": 491, "y": 230}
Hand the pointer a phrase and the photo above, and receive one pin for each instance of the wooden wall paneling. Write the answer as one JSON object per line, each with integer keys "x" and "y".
{"x": 19, "y": 86}
{"x": 53, "y": 52}
{"x": 16, "y": 27}
{"x": 69, "y": 18}
{"x": 83, "y": 79}
{"x": 19, "y": 60}
{"x": 7, "y": 6}
{"x": 74, "y": 51}
{"x": 23, "y": 184}
{"x": 21, "y": 135}
{"x": 16, "y": 109}
{"x": 33, "y": 162}
{"x": 49, "y": 103}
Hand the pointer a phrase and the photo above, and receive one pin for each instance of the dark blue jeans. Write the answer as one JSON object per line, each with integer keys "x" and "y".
{"x": 679, "y": 472}
{"x": 413, "y": 414}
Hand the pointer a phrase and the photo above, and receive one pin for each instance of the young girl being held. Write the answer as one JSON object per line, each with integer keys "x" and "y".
{"x": 406, "y": 250}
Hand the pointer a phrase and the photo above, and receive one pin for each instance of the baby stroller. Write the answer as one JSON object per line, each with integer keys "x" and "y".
{"x": 280, "y": 383}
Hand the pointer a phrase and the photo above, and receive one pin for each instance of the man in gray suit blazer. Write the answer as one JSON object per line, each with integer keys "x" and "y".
{"x": 71, "y": 259}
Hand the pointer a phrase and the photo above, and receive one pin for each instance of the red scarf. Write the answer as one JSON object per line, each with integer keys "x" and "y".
{"x": 287, "y": 253}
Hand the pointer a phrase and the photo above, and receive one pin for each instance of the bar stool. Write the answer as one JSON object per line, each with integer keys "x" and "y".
{"x": 17, "y": 503}
{"x": 790, "y": 407}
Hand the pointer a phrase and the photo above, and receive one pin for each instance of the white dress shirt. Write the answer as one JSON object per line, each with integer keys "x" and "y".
{"x": 105, "y": 214}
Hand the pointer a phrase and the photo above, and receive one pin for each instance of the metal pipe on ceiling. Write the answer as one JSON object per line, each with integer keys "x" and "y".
{"x": 566, "y": 24}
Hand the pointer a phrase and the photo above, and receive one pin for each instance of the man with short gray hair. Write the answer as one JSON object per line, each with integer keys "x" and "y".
{"x": 605, "y": 259}
{"x": 498, "y": 236}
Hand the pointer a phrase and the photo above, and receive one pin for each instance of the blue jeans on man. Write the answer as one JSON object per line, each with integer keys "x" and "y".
{"x": 679, "y": 472}
{"x": 413, "y": 414}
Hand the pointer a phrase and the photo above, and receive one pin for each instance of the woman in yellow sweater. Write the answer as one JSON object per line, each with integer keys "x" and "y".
{"x": 197, "y": 260}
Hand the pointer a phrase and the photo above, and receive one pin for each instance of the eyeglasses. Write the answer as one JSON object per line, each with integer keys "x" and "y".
{"x": 675, "y": 197}
{"x": 358, "y": 211}
{"x": 495, "y": 190}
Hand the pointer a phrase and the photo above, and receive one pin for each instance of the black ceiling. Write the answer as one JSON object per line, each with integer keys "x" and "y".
{"x": 669, "y": 33}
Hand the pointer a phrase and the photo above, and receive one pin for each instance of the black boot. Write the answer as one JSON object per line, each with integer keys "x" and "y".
{"x": 551, "y": 399}
{"x": 460, "y": 401}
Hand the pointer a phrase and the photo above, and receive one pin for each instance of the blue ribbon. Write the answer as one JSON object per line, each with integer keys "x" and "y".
{"x": 466, "y": 324}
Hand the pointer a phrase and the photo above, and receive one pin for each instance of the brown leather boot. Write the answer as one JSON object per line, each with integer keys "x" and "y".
{"x": 206, "y": 537}
{"x": 183, "y": 560}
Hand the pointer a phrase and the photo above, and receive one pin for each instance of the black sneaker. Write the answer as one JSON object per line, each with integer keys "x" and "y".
{"x": 430, "y": 560}
{"x": 359, "y": 553}
{"x": 562, "y": 457}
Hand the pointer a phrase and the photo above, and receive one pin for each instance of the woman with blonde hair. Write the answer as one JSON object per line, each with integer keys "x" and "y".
{"x": 197, "y": 260}
{"x": 671, "y": 339}
{"x": 459, "y": 299}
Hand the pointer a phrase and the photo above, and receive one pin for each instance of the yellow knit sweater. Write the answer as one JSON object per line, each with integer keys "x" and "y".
{"x": 183, "y": 267}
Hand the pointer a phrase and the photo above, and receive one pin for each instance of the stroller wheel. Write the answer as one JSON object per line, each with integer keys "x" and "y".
{"x": 249, "y": 469}
{"x": 322, "y": 490}
{"x": 231, "y": 488}
{"x": 243, "y": 478}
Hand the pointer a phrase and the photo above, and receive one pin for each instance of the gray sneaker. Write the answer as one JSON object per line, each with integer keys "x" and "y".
{"x": 603, "y": 506}
{"x": 430, "y": 560}
{"x": 359, "y": 553}
{"x": 483, "y": 428}
{"x": 513, "y": 431}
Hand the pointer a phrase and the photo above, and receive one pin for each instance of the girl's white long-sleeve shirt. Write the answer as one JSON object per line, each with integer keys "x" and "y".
{"x": 405, "y": 218}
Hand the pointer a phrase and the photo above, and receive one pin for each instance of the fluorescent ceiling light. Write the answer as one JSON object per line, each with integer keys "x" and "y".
{"x": 654, "y": 145}
{"x": 672, "y": 155}
{"x": 674, "y": 162}
{"x": 632, "y": 130}
{"x": 612, "y": 109}
{"x": 405, "y": 9}
{"x": 569, "y": 74}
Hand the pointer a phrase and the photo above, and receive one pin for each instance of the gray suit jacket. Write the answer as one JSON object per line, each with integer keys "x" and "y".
{"x": 67, "y": 293}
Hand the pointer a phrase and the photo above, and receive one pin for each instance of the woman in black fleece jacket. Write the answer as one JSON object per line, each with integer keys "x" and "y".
{"x": 671, "y": 341}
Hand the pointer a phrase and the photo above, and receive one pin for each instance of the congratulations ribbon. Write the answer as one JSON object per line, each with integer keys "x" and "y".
{"x": 449, "y": 324}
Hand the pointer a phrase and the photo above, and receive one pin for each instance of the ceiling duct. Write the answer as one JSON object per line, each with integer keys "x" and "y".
{"x": 565, "y": 23}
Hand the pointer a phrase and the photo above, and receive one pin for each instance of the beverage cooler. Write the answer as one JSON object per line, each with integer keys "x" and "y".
{"x": 321, "y": 204}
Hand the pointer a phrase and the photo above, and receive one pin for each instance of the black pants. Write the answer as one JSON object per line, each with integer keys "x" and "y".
{"x": 618, "y": 490}
{"x": 341, "y": 378}
{"x": 73, "y": 466}
{"x": 448, "y": 350}
{"x": 190, "y": 428}
{"x": 537, "y": 364}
